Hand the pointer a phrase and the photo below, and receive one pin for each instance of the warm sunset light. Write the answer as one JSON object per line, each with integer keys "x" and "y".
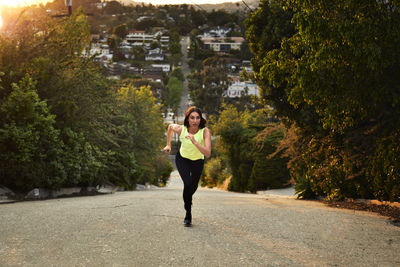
{"x": 15, "y": 3}
{"x": 190, "y": 2}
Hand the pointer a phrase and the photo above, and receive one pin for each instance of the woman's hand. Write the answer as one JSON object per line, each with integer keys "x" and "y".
{"x": 190, "y": 137}
{"x": 167, "y": 149}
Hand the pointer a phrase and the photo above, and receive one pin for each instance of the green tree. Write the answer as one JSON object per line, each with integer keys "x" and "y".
{"x": 121, "y": 31}
{"x": 335, "y": 78}
{"x": 175, "y": 48}
{"x": 154, "y": 45}
{"x": 246, "y": 159}
{"x": 30, "y": 149}
{"x": 142, "y": 134}
{"x": 175, "y": 87}
{"x": 208, "y": 87}
{"x": 138, "y": 52}
{"x": 177, "y": 72}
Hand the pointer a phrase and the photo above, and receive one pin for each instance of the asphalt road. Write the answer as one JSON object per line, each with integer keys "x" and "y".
{"x": 144, "y": 228}
{"x": 184, "y": 104}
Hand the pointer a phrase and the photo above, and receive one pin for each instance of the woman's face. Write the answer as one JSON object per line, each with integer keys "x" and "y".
{"x": 194, "y": 119}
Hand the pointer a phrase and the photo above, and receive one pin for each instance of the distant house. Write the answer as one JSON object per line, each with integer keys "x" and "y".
{"x": 217, "y": 32}
{"x": 164, "y": 41}
{"x": 125, "y": 48}
{"x": 118, "y": 68}
{"x": 100, "y": 5}
{"x": 114, "y": 69}
{"x": 152, "y": 70}
{"x": 139, "y": 36}
{"x": 143, "y": 18}
{"x": 220, "y": 44}
{"x": 239, "y": 88}
{"x": 164, "y": 67}
{"x": 155, "y": 51}
{"x": 155, "y": 55}
{"x": 101, "y": 53}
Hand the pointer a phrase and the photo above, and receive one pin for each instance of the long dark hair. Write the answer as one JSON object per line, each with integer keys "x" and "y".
{"x": 189, "y": 111}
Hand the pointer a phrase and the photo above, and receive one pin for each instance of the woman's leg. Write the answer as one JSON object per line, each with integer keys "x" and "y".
{"x": 190, "y": 172}
{"x": 196, "y": 169}
{"x": 183, "y": 166}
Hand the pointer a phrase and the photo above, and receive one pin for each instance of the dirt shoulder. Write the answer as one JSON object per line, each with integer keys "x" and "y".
{"x": 385, "y": 210}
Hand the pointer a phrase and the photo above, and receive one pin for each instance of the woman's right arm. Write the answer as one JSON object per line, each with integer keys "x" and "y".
{"x": 171, "y": 129}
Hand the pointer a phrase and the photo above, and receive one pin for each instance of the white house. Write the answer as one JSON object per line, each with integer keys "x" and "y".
{"x": 165, "y": 67}
{"x": 139, "y": 37}
{"x": 238, "y": 88}
{"x": 155, "y": 55}
{"x": 220, "y": 44}
{"x": 217, "y": 32}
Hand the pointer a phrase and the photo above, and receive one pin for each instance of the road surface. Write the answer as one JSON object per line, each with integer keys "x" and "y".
{"x": 184, "y": 104}
{"x": 144, "y": 228}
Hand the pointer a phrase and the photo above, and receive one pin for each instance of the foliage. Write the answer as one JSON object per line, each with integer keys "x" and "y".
{"x": 215, "y": 173}
{"x": 207, "y": 88}
{"x": 141, "y": 127}
{"x": 163, "y": 169}
{"x": 245, "y": 154}
{"x": 177, "y": 72}
{"x": 269, "y": 170}
{"x": 335, "y": 78}
{"x": 175, "y": 48}
{"x": 138, "y": 52}
{"x": 175, "y": 87}
{"x": 121, "y": 31}
{"x": 29, "y": 144}
{"x": 385, "y": 167}
{"x": 159, "y": 90}
{"x": 63, "y": 123}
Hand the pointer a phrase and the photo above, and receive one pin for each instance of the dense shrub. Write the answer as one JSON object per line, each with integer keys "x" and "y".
{"x": 62, "y": 122}
{"x": 213, "y": 171}
{"x": 384, "y": 168}
{"x": 245, "y": 148}
{"x": 269, "y": 169}
{"x": 330, "y": 71}
{"x": 30, "y": 149}
{"x": 163, "y": 169}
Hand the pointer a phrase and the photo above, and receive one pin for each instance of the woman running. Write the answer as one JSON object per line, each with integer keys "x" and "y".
{"x": 195, "y": 145}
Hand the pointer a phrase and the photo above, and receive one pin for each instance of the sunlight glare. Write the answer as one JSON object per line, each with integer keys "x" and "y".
{"x": 16, "y": 3}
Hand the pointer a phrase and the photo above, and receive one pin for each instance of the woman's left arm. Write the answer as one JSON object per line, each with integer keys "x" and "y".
{"x": 206, "y": 149}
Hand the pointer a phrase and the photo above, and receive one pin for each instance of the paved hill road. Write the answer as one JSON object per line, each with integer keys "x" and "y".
{"x": 184, "y": 104}
{"x": 144, "y": 228}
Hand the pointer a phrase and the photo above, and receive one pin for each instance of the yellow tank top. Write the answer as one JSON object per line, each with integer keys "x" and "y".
{"x": 188, "y": 150}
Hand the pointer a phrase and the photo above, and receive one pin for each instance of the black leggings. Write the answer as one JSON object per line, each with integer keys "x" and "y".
{"x": 190, "y": 172}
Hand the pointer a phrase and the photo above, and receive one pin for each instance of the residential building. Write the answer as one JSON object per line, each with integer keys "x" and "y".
{"x": 239, "y": 88}
{"x": 164, "y": 67}
{"x": 139, "y": 37}
{"x": 220, "y": 44}
{"x": 217, "y": 32}
{"x": 155, "y": 55}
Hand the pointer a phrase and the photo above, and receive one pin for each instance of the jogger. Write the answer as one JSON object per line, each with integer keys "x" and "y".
{"x": 195, "y": 145}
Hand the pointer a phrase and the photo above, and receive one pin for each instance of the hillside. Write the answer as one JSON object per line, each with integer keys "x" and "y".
{"x": 228, "y": 6}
